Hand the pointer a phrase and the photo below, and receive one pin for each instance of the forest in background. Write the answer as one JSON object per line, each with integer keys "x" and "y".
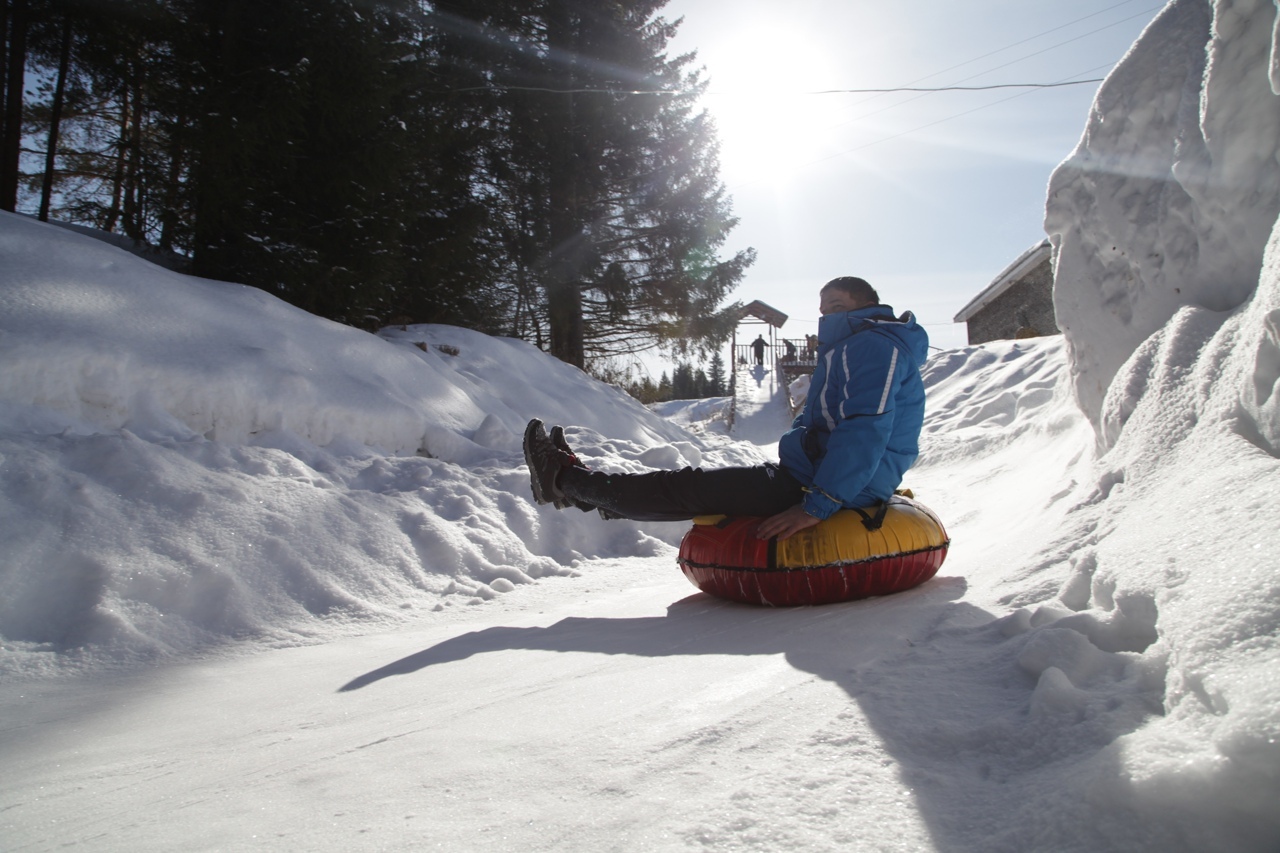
{"x": 531, "y": 168}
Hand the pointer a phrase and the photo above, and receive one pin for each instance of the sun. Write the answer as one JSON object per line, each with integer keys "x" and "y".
{"x": 770, "y": 122}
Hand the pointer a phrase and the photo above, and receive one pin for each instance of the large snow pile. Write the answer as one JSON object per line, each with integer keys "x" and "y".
{"x": 184, "y": 460}
{"x": 1168, "y": 289}
{"x": 1172, "y": 194}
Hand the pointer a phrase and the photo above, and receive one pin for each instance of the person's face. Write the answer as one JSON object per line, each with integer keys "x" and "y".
{"x": 833, "y": 300}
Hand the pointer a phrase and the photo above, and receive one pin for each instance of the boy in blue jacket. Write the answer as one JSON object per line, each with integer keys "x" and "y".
{"x": 849, "y": 447}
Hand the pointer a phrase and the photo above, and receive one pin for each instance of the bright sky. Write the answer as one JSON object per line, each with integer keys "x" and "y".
{"x": 927, "y": 196}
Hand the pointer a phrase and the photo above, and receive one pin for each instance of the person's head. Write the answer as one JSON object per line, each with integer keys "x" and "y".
{"x": 846, "y": 294}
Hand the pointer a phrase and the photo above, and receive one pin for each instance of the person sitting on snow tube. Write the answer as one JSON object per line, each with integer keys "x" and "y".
{"x": 849, "y": 447}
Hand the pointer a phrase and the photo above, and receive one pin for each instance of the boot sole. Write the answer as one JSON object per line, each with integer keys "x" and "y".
{"x": 530, "y": 432}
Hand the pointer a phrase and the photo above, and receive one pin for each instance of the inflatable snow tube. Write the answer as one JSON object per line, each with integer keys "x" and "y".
{"x": 853, "y": 554}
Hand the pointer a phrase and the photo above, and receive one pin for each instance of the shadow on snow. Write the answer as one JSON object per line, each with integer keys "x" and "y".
{"x": 937, "y": 678}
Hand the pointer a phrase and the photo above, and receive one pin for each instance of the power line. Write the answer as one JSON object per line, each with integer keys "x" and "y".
{"x": 856, "y": 148}
{"x": 914, "y": 129}
{"x": 910, "y": 87}
{"x": 590, "y": 91}
{"x": 1036, "y": 36}
{"x": 1141, "y": 14}
{"x": 953, "y": 88}
{"x": 865, "y": 116}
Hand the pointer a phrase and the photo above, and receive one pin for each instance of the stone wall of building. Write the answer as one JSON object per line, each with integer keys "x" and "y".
{"x": 1025, "y": 310}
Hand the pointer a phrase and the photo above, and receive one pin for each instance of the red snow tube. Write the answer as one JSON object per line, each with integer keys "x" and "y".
{"x": 840, "y": 559}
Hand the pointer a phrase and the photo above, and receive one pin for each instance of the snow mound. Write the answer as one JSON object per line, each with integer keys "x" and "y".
{"x": 1165, "y": 554}
{"x": 1167, "y": 286}
{"x": 708, "y": 415}
{"x": 986, "y": 396}
{"x": 1171, "y": 195}
{"x": 185, "y": 462}
{"x": 162, "y": 354}
{"x": 1134, "y": 544}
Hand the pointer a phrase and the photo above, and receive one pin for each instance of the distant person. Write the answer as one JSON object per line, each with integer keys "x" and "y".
{"x": 791, "y": 350}
{"x": 757, "y": 346}
{"x": 849, "y": 447}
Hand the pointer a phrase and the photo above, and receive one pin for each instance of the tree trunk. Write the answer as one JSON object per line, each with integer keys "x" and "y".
{"x": 133, "y": 216}
{"x": 11, "y": 150}
{"x": 117, "y": 180}
{"x": 563, "y": 275}
{"x": 4, "y": 65}
{"x": 568, "y": 240}
{"x": 216, "y": 153}
{"x": 55, "y": 119}
{"x": 169, "y": 217}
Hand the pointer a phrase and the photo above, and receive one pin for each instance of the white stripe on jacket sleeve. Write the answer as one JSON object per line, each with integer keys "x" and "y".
{"x": 822, "y": 398}
{"x": 888, "y": 382}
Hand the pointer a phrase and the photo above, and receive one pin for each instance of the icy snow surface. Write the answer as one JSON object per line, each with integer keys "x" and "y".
{"x": 271, "y": 583}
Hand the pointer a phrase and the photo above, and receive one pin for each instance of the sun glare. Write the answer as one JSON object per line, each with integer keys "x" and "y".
{"x": 768, "y": 126}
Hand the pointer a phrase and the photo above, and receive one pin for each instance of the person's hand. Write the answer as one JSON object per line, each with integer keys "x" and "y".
{"x": 786, "y": 523}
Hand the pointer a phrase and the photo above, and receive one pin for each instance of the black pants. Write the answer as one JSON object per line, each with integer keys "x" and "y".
{"x": 681, "y": 495}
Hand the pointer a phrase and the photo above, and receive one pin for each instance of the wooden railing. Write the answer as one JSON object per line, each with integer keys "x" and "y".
{"x": 798, "y": 353}
{"x": 791, "y": 362}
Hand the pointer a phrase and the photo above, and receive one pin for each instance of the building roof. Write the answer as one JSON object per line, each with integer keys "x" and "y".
{"x": 764, "y": 312}
{"x": 1026, "y": 262}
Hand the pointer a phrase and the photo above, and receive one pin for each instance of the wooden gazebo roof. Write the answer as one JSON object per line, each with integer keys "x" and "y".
{"x": 763, "y": 312}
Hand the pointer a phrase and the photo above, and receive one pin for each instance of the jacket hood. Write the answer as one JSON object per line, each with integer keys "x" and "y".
{"x": 834, "y": 328}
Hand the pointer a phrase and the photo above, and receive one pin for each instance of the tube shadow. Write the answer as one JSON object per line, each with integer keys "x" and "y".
{"x": 696, "y": 625}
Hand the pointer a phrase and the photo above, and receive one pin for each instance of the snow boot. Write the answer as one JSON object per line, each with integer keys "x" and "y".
{"x": 545, "y": 461}
{"x": 558, "y": 439}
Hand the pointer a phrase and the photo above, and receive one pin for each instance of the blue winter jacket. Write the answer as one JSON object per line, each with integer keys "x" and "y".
{"x": 859, "y": 430}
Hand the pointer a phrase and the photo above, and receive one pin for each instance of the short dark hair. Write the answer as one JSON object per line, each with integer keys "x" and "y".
{"x": 855, "y": 287}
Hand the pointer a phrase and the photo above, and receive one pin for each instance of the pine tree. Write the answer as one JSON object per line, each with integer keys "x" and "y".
{"x": 299, "y": 155}
{"x": 615, "y": 196}
{"x": 701, "y": 385}
{"x": 393, "y": 160}
{"x": 458, "y": 232}
{"x": 301, "y": 146}
{"x": 682, "y": 382}
{"x": 715, "y": 377}
{"x": 94, "y": 61}
{"x": 14, "y": 36}
{"x": 55, "y": 118}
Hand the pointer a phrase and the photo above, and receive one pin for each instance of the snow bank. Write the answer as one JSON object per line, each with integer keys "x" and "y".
{"x": 142, "y": 348}
{"x": 184, "y": 462}
{"x": 1167, "y": 287}
{"x": 1172, "y": 193}
{"x": 984, "y": 397}
{"x": 710, "y": 414}
{"x": 1195, "y": 437}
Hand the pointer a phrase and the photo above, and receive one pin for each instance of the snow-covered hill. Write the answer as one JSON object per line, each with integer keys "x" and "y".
{"x": 188, "y": 461}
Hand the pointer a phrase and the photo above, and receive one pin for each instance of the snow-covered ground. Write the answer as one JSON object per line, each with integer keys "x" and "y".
{"x": 267, "y": 582}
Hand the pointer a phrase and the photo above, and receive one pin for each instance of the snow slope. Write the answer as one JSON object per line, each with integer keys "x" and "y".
{"x": 186, "y": 461}
{"x": 237, "y": 542}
